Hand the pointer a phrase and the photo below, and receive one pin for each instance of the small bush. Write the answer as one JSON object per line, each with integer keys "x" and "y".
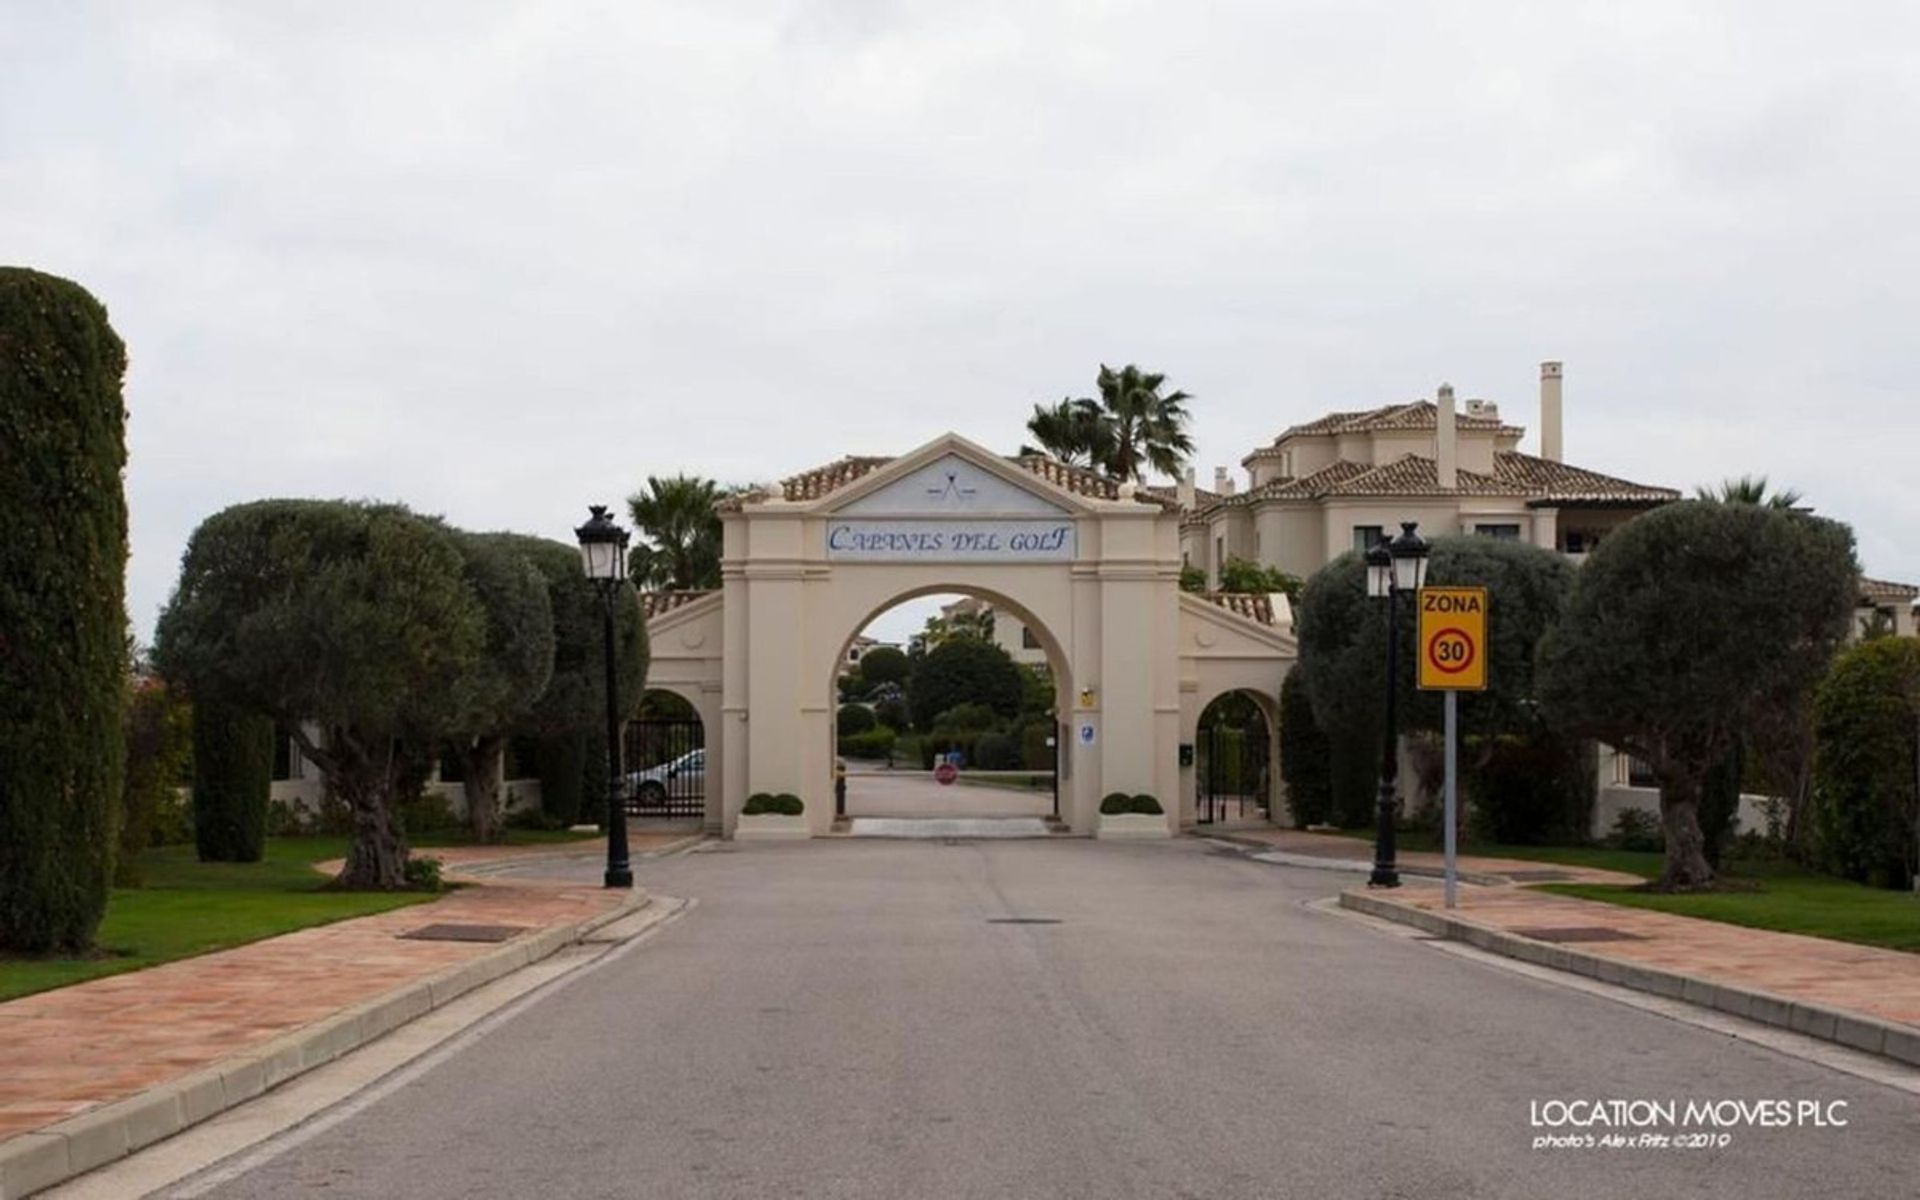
{"x": 159, "y": 754}
{"x": 423, "y": 874}
{"x": 287, "y": 820}
{"x": 784, "y": 804}
{"x": 1146, "y": 806}
{"x": 1866, "y": 720}
{"x": 1637, "y": 829}
{"x": 535, "y": 819}
{"x": 874, "y": 743}
{"x": 426, "y": 812}
{"x": 893, "y": 712}
{"x": 966, "y": 718}
{"x": 996, "y": 752}
{"x": 855, "y": 718}
{"x": 1115, "y": 803}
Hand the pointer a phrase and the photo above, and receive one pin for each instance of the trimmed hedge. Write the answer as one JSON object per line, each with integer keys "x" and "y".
{"x": 159, "y": 755}
{"x": 1115, "y": 803}
{"x": 63, "y": 660}
{"x": 561, "y": 763}
{"x": 784, "y": 804}
{"x": 232, "y": 776}
{"x": 855, "y": 718}
{"x": 1864, "y": 800}
{"x": 1306, "y": 756}
{"x": 873, "y": 743}
{"x": 1146, "y": 806}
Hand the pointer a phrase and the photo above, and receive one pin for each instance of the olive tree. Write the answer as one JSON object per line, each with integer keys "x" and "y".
{"x": 355, "y": 617}
{"x": 1685, "y": 628}
{"x": 502, "y": 684}
{"x": 570, "y": 712}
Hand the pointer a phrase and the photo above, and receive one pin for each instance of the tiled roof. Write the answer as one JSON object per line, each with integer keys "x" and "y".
{"x": 1413, "y": 475}
{"x": 1306, "y": 487}
{"x": 1544, "y": 481}
{"x": 1252, "y": 606}
{"x": 655, "y": 604}
{"x": 1414, "y": 415}
{"x": 1885, "y": 591}
{"x": 825, "y": 480}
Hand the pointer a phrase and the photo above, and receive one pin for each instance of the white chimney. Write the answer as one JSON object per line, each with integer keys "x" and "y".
{"x": 1186, "y": 490}
{"x": 1222, "y": 481}
{"x": 1446, "y": 440}
{"x": 1551, "y": 447}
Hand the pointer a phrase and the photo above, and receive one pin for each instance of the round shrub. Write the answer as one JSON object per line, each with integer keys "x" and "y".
{"x": 1115, "y": 803}
{"x": 874, "y": 743}
{"x": 1146, "y": 805}
{"x": 784, "y": 804}
{"x": 63, "y": 662}
{"x": 965, "y": 718}
{"x": 1866, "y": 719}
{"x": 232, "y": 776}
{"x": 788, "y": 805}
{"x": 965, "y": 670}
{"x": 996, "y": 752}
{"x": 892, "y": 712}
{"x": 855, "y": 718}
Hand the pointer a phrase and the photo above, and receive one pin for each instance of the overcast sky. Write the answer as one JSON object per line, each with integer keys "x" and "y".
{"x": 498, "y": 260}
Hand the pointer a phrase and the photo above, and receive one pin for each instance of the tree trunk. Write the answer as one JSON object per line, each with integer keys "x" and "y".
{"x": 1687, "y": 868}
{"x": 377, "y": 859}
{"x": 482, "y": 787}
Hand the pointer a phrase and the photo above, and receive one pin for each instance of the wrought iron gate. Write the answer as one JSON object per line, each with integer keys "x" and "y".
{"x": 1231, "y": 772}
{"x": 666, "y": 768}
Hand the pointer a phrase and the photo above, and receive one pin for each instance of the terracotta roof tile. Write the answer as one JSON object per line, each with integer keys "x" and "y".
{"x": 1414, "y": 415}
{"x": 1885, "y": 591}
{"x": 1547, "y": 482}
{"x": 823, "y": 481}
{"x": 1306, "y": 487}
{"x": 1413, "y": 475}
{"x": 655, "y": 604}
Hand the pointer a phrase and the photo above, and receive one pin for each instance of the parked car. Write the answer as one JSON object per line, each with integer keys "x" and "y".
{"x": 684, "y": 776}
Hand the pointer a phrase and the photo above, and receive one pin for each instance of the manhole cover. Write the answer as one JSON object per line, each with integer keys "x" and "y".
{"x": 1537, "y": 876}
{"x": 464, "y": 933}
{"x": 1023, "y": 920}
{"x": 1578, "y": 933}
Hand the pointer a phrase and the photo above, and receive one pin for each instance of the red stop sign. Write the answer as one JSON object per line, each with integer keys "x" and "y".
{"x": 945, "y": 773}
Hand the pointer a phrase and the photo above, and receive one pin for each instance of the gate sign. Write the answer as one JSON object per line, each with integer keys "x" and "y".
{"x": 1453, "y": 639}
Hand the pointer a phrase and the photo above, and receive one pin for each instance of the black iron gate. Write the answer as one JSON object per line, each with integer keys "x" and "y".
{"x": 666, "y": 768}
{"x": 1231, "y": 773}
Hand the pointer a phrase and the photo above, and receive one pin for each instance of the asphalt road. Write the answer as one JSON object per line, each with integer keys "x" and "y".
{"x": 849, "y": 1019}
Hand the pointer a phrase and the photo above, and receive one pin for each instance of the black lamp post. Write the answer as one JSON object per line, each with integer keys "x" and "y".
{"x": 1393, "y": 568}
{"x": 603, "y": 550}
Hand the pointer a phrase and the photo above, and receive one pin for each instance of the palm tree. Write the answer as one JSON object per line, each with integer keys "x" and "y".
{"x": 1130, "y": 430}
{"x": 1749, "y": 489}
{"x": 679, "y": 544}
{"x": 1149, "y": 430}
{"x": 1073, "y": 431}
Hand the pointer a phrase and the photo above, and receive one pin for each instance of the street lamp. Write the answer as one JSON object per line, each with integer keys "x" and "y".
{"x": 603, "y": 551}
{"x": 1393, "y": 568}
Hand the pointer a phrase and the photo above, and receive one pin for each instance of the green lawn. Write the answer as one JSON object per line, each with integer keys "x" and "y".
{"x": 1785, "y": 898}
{"x": 1645, "y": 864}
{"x": 187, "y": 907}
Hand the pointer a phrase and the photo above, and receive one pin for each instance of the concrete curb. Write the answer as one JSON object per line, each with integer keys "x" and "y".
{"x": 1293, "y": 858}
{"x": 1871, "y": 1034}
{"x": 30, "y": 1162}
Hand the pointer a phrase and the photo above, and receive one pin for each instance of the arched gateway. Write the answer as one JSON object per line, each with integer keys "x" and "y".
{"x": 1091, "y": 566}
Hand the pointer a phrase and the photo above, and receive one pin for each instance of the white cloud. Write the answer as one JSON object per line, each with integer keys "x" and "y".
{"x": 499, "y": 260}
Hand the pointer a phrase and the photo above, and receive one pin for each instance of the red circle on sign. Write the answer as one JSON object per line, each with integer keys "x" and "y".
{"x": 1445, "y": 668}
{"x": 945, "y": 773}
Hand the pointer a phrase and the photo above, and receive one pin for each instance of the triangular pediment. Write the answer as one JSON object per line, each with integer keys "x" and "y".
{"x": 948, "y": 479}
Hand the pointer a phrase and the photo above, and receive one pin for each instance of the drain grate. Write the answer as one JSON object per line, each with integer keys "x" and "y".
{"x": 464, "y": 933}
{"x": 1537, "y": 876}
{"x": 1023, "y": 920}
{"x": 1577, "y": 933}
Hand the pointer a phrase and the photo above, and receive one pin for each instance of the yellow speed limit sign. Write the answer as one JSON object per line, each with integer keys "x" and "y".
{"x": 1453, "y": 639}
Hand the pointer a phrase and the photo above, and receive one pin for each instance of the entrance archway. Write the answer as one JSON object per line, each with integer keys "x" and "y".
{"x": 664, "y": 754}
{"x": 985, "y": 685}
{"x": 1090, "y": 564}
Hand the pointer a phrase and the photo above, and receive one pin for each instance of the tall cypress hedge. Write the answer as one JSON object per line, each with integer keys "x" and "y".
{"x": 232, "y": 775}
{"x": 63, "y": 652}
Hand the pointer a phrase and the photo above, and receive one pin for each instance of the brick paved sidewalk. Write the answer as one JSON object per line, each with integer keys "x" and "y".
{"x": 1838, "y": 975}
{"x": 1340, "y": 846}
{"x": 75, "y": 1048}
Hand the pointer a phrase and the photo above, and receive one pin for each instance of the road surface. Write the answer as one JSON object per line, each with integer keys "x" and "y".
{"x": 862, "y": 1019}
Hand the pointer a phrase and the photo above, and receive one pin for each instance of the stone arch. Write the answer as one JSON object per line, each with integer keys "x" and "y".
{"x": 1268, "y": 706}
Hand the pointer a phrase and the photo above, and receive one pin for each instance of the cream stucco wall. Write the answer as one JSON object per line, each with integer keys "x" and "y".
{"x": 1129, "y": 653}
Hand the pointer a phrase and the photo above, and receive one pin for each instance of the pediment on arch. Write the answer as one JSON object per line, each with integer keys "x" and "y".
{"x": 1213, "y": 631}
{"x": 951, "y": 477}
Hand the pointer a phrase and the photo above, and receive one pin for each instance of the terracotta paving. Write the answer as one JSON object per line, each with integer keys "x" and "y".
{"x": 1331, "y": 845}
{"x": 68, "y": 1050}
{"x": 1861, "y": 979}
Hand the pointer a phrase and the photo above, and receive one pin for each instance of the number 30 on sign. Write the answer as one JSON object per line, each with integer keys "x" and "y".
{"x": 1453, "y": 639}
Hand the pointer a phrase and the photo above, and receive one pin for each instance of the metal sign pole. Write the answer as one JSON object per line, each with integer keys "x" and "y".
{"x": 1453, "y": 756}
